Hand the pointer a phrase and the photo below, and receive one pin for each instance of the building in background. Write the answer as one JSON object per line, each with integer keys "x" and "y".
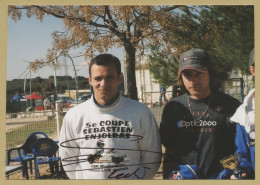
{"x": 72, "y": 93}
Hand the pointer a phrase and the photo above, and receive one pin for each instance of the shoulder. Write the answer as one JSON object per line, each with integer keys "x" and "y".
{"x": 249, "y": 97}
{"x": 135, "y": 105}
{"x": 177, "y": 103}
{"x": 229, "y": 103}
{"x": 182, "y": 99}
{"x": 79, "y": 109}
{"x": 226, "y": 97}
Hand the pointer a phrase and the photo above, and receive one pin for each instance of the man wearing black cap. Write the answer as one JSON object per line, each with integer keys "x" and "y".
{"x": 195, "y": 127}
{"x": 245, "y": 137}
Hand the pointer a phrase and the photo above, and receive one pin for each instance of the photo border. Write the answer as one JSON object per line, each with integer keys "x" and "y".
{"x": 3, "y": 58}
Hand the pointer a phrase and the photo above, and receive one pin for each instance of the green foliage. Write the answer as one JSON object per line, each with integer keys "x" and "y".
{"x": 225, "y": 32}
{"x": 237, "y": 35}
{"x": 163, "y": 68}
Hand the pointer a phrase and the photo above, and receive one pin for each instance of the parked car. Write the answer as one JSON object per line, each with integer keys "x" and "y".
{"x": 81, "y": 99}
{"x": 84, "y": 97}
{"x": 65, "y": 99}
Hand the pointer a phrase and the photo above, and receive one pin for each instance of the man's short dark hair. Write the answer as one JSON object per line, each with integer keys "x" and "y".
{"x": 106, "y": 59}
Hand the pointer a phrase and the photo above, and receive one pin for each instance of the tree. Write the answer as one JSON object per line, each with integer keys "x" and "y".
{"x": 225, "y": 32}
{"x": 163, "y": 67}
{"x": 98, "y": 28}
{"x": 39, "y": 87}
{"x": 237, "y": 35}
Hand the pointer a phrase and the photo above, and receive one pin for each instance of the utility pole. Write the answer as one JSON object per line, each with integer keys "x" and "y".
{"x": 55, "y": 81}
{"x": 30, "y": 71}
{"x": 76, "y": 81}
{"x": 30, "y": 84}
{"x": 67, "y": 74}
{"x": 24, "y": 85}
{"x": 57, "y": 104}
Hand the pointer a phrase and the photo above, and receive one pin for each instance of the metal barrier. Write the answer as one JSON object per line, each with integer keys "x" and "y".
{"x": 20, "y": 125}
{"x": 153, "y": 98}
{"x": 235, "y": 87}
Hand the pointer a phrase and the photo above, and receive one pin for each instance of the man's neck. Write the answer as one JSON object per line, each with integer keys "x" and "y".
{"x": 198, "y": 97}
{"x": 114, "y": 101}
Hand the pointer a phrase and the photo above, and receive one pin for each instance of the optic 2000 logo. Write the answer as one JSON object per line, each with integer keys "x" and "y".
{"x": 200, "y": 123}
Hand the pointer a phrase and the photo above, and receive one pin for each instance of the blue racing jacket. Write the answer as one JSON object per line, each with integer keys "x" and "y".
{"x": 245, "y": 145}
{"x": 244, "y": 117}
{"x": 181, "y": 172}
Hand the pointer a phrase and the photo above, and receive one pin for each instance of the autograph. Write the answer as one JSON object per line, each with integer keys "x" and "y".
{"x": 122, "y": 175}
{"x": 97, "y": 159}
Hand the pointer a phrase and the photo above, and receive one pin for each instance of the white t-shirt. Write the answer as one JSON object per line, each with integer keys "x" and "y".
{"x": 245, "y": 114}
{"x": 117, "y": 142}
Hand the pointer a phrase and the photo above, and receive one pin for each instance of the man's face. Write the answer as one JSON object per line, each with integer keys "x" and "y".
{"x": 105, "y": 82}
{"x": 196, "y": 82}
{"x": 252, "y": 70}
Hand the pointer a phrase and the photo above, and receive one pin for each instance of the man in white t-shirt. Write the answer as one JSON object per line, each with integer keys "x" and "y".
{"x": 109, "y": 136}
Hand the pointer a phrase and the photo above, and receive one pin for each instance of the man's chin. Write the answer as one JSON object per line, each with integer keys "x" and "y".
{"x": 195, "y": 92}
{"x": 104, "y": 96}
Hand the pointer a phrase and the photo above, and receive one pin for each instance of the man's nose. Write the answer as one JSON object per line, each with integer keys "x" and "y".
{"x": 103, "y": 83}
{"x": 193, "y": 79}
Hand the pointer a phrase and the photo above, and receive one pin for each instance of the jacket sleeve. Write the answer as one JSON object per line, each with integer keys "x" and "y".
{"x": 150, "y": 145}
{"x": 66, "y": 152}
{"x": 242, "y": 147}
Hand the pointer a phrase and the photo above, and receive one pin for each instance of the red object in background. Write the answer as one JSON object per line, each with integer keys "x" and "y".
{"x": 38, "y": 107}
{"x": 34, "y": 96}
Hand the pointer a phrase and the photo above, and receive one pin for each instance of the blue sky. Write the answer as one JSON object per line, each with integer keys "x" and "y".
{"x": 29, "y": 39}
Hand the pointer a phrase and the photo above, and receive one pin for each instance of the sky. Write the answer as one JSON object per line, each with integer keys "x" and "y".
{"x": 29, "y": 39}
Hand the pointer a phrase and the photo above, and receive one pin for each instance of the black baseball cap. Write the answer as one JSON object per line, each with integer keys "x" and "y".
{"x": 195, "y": 58}
{"x": 252, "y": 57}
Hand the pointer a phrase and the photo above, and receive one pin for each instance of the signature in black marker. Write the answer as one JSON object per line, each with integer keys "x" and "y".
{"x": 122, "y": 175}
{"x": 115, "y": 174}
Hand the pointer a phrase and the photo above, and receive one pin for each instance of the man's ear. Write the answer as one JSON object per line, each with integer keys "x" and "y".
{"x": 121, "y": 77}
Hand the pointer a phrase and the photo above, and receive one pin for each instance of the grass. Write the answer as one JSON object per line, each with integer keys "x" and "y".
{"x": 19, "y": 135}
